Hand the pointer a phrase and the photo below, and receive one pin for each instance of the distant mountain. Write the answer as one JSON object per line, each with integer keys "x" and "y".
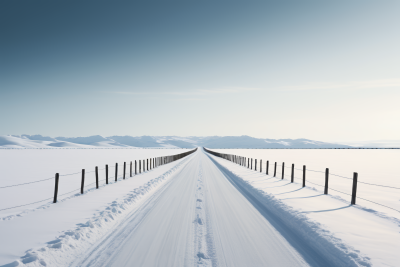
{"x": 39, "y": 141}
{"x": 375, "y": 144}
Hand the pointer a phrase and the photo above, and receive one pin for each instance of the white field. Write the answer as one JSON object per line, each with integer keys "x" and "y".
{"x": 373, "y": 166}
{"x": 212, "y": 211}
{"x": 28, "y": 165}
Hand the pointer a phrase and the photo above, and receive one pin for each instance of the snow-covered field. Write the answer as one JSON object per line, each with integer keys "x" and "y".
{"x": 19, "y": 166}
{"x": 44, "y": 226}
{"x": 379, "y": 167}
{"x": 370, "y": 236}
{"x": 198, "y": 211}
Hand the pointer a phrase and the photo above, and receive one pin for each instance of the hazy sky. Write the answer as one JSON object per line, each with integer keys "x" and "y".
{"x": 323, "y": 70}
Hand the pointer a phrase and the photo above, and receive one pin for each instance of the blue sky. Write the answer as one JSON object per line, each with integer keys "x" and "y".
{"x": 321, "y": 70}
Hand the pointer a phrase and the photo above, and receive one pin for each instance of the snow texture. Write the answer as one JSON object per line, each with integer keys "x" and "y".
{"x": 199, "y": 211}
{"x": 76, "y": 222}
{"x": 359, "y": 233}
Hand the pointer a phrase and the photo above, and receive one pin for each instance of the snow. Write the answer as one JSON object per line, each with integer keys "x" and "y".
{"x": 38, "y": 141}
{"x": 197, "y": 211}
{"x": 373, "y": 166}
{"x": 54, "y": 234}
{"x": 368, "y": 233}
{"x": 20, "y": 166}
{"x": 375, "y": 143}
{"x": 200, "y": 219}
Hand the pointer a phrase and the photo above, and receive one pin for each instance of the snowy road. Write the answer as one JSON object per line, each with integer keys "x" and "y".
{"x": 197, "y": 218}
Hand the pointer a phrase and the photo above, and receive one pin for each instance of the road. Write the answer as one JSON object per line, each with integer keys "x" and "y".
{"x": 198, "y": 218}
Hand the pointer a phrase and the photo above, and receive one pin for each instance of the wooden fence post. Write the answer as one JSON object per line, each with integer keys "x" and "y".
{"x": 251, "y": 164}
{"x": 326, "y": 181}
{"x": 267, "y": 167}
{"x": 135, "y": 168}
{"x": 260, "y": 165}
{"x": 83, "y": 180}
{"x": 255, "y": 164}
{"x": 283, "y": 170}
{"x": 124, "y": 169}
{"x": 56, "y": 189}
{"x": 106, "y": 173}
{"x": 292, "y": 178}
{"x": 304, "y": 175}
{"x": 97, "y": 177}
{"x": 275, "y": 170}
{"x": 354, "y": 191}
{"x": 116, "y": 171}
{"x": 131, "y": 170}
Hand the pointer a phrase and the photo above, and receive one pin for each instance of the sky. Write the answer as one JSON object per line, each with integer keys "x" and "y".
{"x": 321, "y": 70}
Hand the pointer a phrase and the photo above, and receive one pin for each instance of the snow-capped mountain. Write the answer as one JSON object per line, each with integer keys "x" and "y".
{"x": 98, "y": 141}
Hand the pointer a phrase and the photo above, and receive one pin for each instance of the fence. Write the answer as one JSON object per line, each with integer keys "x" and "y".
{"x": 248, "y": 163}
{"x": 135, "y": 168}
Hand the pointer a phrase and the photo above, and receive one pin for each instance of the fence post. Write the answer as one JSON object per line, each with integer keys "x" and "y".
{"x": 131, "y": 170}
{"x": 326, "y": 181}
{"x": 83, "y": 180}
{"x": 354, "y": 191}
{"x": 275, "y": 170}
{"x": 255, "y": 164}
{"x": 267, "y": 167}
{"x": 251, "y": 164}
{"x": 292, "y": 178}
{"x": 116, "y": 171}
{"x": 248, "y": 163}
{"x": 56, "y": 189}
{"x": 106, "y": 173}
{"x": 97, "y": 177}
{"x": 260, "y": 165}
{"x": 304, "y": 175}
{"x": 283, "y": 170}
{"x": 135, "y": 167}
{"x": 140, "y": 166}
{"x": 147, "y": 162}
{"x": 124, "y": 169}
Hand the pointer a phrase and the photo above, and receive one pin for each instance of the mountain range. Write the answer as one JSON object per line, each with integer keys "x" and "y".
{"x": 98, "y": 141}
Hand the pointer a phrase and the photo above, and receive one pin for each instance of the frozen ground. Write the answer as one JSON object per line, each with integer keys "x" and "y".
{"x": 200, "y": 211}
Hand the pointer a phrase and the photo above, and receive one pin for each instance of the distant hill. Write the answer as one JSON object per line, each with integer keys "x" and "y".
{"x": 98, "y": 141}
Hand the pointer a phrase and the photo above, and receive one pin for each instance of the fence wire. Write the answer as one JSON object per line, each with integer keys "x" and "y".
{"x": 170, "y": 158}
{"x": 272, "y": 165}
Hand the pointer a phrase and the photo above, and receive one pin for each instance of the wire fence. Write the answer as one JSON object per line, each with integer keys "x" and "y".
{"x": 139, "y": 165}
{"x": 248, "y": 163}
